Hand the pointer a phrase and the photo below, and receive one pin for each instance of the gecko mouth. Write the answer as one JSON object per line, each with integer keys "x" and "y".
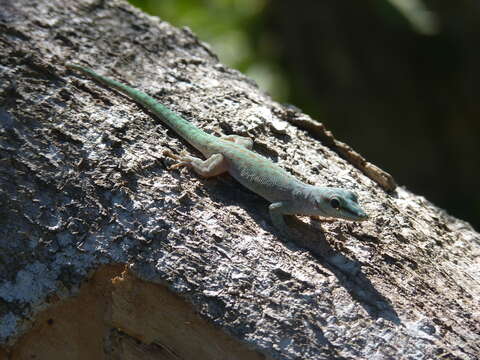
{"x": 360, "y": 215}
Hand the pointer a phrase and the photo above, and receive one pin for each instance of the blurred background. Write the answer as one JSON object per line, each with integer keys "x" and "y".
{"x": 398, "y": 80}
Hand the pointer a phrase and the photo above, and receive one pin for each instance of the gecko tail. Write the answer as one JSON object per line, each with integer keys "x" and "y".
{"x": 181, "y": 126}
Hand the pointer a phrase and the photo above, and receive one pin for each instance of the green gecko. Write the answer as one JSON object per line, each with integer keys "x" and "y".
{"x": 233, "y": 154}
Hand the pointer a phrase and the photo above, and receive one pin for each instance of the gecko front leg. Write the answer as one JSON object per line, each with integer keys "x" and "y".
{"x": 277, "y": 210}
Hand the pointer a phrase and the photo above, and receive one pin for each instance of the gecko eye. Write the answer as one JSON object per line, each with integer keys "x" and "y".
{"x": 354, "y": 197}
{"x": 334, "y": 203}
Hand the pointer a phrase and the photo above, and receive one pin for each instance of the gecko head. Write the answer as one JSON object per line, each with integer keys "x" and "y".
{"x": 336, "y": 203}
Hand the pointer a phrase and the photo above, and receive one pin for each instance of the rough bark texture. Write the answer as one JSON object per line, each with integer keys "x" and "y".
{"x": 102, "y": 248}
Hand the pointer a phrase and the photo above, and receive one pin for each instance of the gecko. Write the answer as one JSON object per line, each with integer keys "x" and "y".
{"x": 233, "y": 154}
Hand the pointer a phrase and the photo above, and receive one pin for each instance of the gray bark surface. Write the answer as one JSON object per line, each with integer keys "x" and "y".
{"x": 83, "y": 183}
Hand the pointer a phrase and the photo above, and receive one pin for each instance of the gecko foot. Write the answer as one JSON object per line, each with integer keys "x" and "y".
{"x": 184, "y": 159}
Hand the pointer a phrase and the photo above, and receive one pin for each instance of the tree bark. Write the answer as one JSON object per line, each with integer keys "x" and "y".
{"x": 108, "y": 254}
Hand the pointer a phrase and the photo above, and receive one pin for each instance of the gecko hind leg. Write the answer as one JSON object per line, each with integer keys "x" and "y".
{"x": 213, "y": 166}
{"x": 246, "y": 142}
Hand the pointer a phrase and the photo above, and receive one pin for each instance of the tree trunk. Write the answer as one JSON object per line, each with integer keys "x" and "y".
{"x": 107, "y": 254}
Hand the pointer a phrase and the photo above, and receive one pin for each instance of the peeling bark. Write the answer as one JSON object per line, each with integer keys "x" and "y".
{"x": 84, "y": 185}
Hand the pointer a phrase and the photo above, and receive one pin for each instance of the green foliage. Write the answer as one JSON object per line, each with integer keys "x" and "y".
{"x": 232, "y": 28}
